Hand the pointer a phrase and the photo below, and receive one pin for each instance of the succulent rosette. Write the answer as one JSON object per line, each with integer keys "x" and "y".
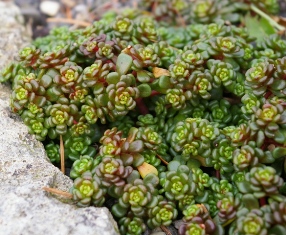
{"x": 59, "y": 118}
{"x": 112, "y": 172}
{"x": 138, "y": 196}
{"x": 228, "y": 207}
{"x": 162, "y": 214}
{"x": 225, "y": 47}
{"x": 260, "y": 76}
{"x": 86, "y": 191}
{"x": 69, "y": 75}
{"x": 85, "y": 163}
{"x": 268, "y": 118}
{"x": 132, "y": 226}
{"x": 251, "y": 222}
{"x": 176, "y": 184}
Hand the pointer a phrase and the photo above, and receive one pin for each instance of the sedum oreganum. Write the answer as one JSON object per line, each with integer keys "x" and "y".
{"x": 171, "y": 111}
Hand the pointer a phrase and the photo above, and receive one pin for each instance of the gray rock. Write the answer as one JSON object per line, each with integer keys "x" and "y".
{"x": 13, "y": 34}
{"x": 25, "y": 208}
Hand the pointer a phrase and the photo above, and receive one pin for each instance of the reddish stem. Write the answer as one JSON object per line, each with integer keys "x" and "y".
{"x": 269, "y": 93}
{"x": 141, "y": 106}
{"x": 153, "y": 93}
{"x": 217, "y": 174}
{"x": 262, "y": 201}
{"x": 219, "y": 57}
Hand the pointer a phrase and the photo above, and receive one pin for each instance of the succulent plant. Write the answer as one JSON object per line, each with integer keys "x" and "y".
{"x": 171, "y": 111}
{"x": 162, "y": 214}
{"x": 134, "y": 226}
{"x": 86, "y": 190}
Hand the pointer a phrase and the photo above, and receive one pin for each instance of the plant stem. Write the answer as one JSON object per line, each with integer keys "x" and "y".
{"x": 217, "y": 174}
{"x": 141, "y": 106}
{"x": 267, "y": 17}
{"x": 154, "y": 93}
{"x": 262, "y": 201}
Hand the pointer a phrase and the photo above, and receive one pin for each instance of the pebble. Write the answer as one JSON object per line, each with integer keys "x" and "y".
{"x": 50, "y": 8}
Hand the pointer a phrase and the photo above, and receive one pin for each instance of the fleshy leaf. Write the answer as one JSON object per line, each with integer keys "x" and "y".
{"x": 123, "y": 63}
{"x": 145, "y": 90}
{"x": 173, "y": 165}
{"x": 112, "y": 78}
{"x": 244, "y": 187}
{"x": 136, "y": 146}
{"x": 118, "y": 211}
{"x": 250, "y": 201}
{"x": 143, "y": 76}
{"x": 133, "y": 176}
{"x": 158, "y": 72}
{"x": 151, "y": 178}
{"x": 146, "y": 169}
{"x": 164, "y": 82}
{"x": 278, "y": 230}
{"x": 279, "y": 152}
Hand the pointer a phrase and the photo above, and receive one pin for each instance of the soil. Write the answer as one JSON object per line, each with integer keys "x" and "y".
{"x": 78, "y": 10}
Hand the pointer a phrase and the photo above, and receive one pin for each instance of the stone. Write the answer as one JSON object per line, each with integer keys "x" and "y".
{"x": 25, "y": 208}
{"x": 13, "y": 34}
{"x": 50, "y": 8}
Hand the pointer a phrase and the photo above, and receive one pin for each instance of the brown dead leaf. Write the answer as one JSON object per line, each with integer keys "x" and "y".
{"x": 280, "y": 20}
{"x": 158, "y": 72}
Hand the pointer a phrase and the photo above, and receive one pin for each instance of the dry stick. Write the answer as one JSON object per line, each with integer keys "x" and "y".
{"x": 165, "y": 230}
{"x": 62, "y": 153}
{"x": 68, "y": 12}
{"x": 58, "y": 192}
{"x": 164, "y": 161}
{"x": 69, "y": 21}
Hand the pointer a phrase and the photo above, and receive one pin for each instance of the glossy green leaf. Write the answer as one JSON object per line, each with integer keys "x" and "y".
{"x": 136, "y": 146}
{"x": 151, "y": 179}
{"x": 244, "y": 187}
{"x": 132, "y": 134}
{"x": 123, "y": 63}
{"x": 133, "y": 176}
{"x": 118, "y": 211}
{"x": 278, "y": 230}
{"x": 145, "y": 90}
{"x": 173, "y": 165}
{"x": 112, "y": 78}
{"x": 250, "y": 202}
{"x": 143, "y": 76}
{"x": 280, "y": 136}
{"x": 165, "y": 82}
{"x": 279, "y": 152}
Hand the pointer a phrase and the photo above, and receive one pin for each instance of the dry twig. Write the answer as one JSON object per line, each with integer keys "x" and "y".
{"x": 62, "y": 153}
{"x": 69, "y": 21}
{"x": 58, "y": 192}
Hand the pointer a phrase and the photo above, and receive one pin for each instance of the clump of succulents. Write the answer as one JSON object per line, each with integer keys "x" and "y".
{"x": 179, "y": 114}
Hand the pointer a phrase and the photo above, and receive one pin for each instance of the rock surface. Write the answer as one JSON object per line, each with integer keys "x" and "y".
{"x": 25, "y": 208}
{"x": 13, "y": 34}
